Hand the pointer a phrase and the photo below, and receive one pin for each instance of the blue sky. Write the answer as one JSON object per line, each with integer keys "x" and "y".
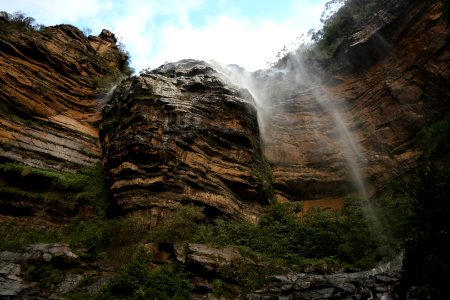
{"x": 243, "y": 32}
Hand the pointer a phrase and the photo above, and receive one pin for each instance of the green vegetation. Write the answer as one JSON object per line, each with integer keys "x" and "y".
{"x": 263, "y": 171}
{"x": 86, "y": 187}
{"x": 434, "y": 138}
{"x": 285, "y": 235}
{"x": 178, "y": 227}
{"x": 14, "y": 237}
{"x": 427, "y": 250}
{"x": 138, "y": 280}
{"x": 17, "y": 21}
{"x": 340, "y": 20}
{"x": 424, "y": 199}
{"x": 71, "y": 194}
{"x": 44, "y": 274}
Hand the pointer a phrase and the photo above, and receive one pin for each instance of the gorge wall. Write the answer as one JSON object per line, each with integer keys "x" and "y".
{"x": 185, "y": 134}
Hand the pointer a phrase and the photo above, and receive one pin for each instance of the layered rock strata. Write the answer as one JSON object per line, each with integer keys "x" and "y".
{"x": 181, "y": 135}
{"x": 49, "y": 107}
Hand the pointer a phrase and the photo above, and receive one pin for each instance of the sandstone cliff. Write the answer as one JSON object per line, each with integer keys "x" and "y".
{"x": 398, "y": 84}
{"x": 181, "y": 135}
{"x": 49, "y": 112}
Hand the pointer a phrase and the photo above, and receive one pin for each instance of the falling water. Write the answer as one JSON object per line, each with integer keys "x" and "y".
{"x": 266, "y": 86}
{"x": 273, "y": 82}
{"x": 104, "y": 98}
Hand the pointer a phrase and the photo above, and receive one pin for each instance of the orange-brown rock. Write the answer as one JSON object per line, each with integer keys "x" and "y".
{"x": 49, "y": 103}
{"x": 179, "y": 135}
{"x": 383, "y": 100}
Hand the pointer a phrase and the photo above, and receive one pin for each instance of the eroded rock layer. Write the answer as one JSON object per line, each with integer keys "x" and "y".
{"x": 49, "y": 109}
{"x": 179, "y": 135}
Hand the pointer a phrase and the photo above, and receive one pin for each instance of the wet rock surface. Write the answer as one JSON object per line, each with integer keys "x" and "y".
{"x": 179, "y": 135}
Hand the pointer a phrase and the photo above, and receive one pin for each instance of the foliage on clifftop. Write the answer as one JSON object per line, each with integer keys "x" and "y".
{"x": 17, "y": 21}
{"x": 340, "y": 20}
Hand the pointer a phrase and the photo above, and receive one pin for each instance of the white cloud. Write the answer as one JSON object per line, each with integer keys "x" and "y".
{"x": 158, "y": 31}
{"x": 248, "y": 42}
{"x": 51, "y": 12}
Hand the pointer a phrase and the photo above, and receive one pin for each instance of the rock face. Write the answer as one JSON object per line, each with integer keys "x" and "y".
{"x": 180, "y": 135}
{"x": 48, "y": 106}
{"x": 382, "y": 107}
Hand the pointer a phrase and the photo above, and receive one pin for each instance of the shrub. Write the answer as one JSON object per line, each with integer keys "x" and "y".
{"x": 180, "y": 226}
{"x": 433, "y": 140}
{"x": 285, "y": 236}
{"x": 100, "y": 235}
{"x": 137, "y": 280}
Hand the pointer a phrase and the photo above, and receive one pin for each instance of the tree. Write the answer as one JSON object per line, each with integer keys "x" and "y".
{"x": 426, "y": 261}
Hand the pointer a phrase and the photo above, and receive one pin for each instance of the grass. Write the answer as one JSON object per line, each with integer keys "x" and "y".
{"x": 14, "y": 237}
{"x": 86, "y": 187}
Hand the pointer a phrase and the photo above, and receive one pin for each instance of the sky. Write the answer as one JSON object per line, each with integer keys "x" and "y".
{"x": 243, "y": 32}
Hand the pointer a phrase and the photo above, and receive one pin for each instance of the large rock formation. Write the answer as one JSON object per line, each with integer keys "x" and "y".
{"x": 382, "y": 106}
{"x": 49, "y": 111}
{"x": 179, "y": 135}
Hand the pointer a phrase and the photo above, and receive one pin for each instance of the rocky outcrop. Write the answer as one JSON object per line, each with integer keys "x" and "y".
{"x": 178, "y": 135}
{"x": 49, "y": 107}
{"x": 206, "y": 257}
{"x": 379, "y": 283}
{"x": 13, "y": 276}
